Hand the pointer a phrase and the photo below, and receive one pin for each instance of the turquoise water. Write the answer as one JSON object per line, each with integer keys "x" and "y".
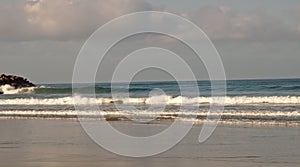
{"x": 271, "y": 87}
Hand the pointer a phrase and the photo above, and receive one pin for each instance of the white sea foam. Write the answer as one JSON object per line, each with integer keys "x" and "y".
{"x": 165, "y": 100}
{"x": 145, "y": 114}
{"x": 150, "y": 113}
{"x": 7, "y": 89}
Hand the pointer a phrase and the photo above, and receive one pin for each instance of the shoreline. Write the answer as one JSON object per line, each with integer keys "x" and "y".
{"x": 196, "y": 122}
{"x": 63, "y": 143}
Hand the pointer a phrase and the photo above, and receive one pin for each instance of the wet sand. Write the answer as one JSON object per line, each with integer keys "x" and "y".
{"x": 63, "y": 143}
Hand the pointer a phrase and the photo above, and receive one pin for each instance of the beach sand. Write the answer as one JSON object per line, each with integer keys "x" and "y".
{"x": 63, "y": 143}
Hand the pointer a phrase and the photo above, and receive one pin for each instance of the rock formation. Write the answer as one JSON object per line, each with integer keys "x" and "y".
{"x": 14, "y": 81}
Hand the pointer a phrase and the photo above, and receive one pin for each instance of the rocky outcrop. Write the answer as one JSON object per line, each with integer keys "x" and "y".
{"x": 14, "y": 81}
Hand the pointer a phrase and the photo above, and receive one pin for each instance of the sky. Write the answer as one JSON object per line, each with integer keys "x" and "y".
{"x": 41, "y": 39}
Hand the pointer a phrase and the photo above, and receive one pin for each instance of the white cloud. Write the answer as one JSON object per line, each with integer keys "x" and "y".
{"x": 61, "y": 19}
{"x": 224, "y": 22}
{"x": 295, "y": 13}
{"x": 77, "y": 19}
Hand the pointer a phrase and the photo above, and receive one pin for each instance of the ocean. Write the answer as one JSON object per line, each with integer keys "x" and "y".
{"x": 259, "y": 102}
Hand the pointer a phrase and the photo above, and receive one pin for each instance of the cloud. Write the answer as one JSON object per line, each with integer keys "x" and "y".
{"x": 61, "y": 19}
{"x": 77, "y": 19}
{"x": 224, "y": 22}
{"x": 295, "y": 14}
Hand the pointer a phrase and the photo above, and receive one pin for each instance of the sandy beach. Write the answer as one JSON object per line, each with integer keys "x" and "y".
{"x": 63, "y": 143}
{"x": 67, "y": 67}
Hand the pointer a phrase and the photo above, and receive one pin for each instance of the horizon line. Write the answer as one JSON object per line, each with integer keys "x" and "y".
{"x": 145, "y": 81}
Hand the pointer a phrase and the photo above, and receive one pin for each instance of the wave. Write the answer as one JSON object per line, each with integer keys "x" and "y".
{"x": 293, "y": 87}
{"x": 7, "y": 89}
{"x": 49, "y": 90}
{"x": 156, "y": 100}
{"x": 227, "y": 113}
{"x": 231, "y": 117}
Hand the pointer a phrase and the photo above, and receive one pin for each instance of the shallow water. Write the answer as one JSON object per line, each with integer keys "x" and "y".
{"x": 63, "y": 143}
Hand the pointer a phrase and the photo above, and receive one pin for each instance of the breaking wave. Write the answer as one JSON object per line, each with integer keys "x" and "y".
{"x": 165, "y": 100}
{"x": 7, "y": 89}
{"x": 278, "y": 118}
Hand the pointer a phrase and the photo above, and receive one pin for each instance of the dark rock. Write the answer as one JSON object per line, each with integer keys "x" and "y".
{"x": 14, "y": 81}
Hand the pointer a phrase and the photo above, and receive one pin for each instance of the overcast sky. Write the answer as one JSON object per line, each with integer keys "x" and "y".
{"x": 40, "y": 39}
